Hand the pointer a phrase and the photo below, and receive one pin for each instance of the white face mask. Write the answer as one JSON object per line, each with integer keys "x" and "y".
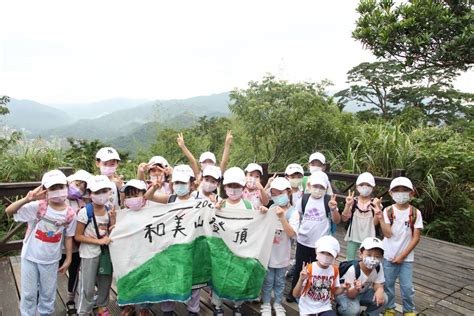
{"x": 325, "y": 260}
{"x": 234, "y": 194}
{"x": 317, "y": 193}
{"x": 100, "y": 199}
{"x": 401, "y": 197}
{"x": 364, "y": 190}
{"x": 371, "y": 262}
{"x": 251, "y": 182}
{"x": 208, "y": 187}
{"x": 313, "y": 169}
{"x": 295, "y": 182}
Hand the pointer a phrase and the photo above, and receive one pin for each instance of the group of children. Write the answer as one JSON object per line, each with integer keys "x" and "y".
{"x": 70, "y": 220}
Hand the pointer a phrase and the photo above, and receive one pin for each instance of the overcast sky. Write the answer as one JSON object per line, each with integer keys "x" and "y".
{"x": 81, "y": 51}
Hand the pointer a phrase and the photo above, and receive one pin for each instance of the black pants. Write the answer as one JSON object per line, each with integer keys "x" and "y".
{"x": 73, "y": 270}
{"x": 303, "y": 254}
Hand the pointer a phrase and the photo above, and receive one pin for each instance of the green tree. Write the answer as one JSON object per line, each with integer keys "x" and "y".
{"x": 3, "y": 104}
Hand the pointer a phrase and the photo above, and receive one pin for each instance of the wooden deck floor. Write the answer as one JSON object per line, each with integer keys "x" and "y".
{"x": 443, "y": 278}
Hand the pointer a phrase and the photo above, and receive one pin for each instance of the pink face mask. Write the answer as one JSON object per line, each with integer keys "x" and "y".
{"x": 234, "y": 194}
{"x": 325, "y": 260}
{"x": 57, "y": 196}
{"x": 134, "y": 203}
{"x": 107, "y": 171}
{"x": 100, "y": 199}
{"x": 251, "y": 182}
{"x": 208, "y": 187}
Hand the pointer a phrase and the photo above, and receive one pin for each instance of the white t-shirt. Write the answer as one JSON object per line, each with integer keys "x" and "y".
{"x": 401, "y": 233}
{"x": 44, "y": 240}
{"x": 314, "y": 223}
{"x": 240, "y": 205}
{"x": 318, "y": 297}
{"x": 367, "y": 281}
{"x": 114, "y": 196}
{"x": 281, "y": 249}
{"x": 362, "y": 225}
{"x": 87, "y": 250}
{"x": 254, "y": 197}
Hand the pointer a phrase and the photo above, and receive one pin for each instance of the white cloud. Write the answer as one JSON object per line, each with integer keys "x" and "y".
{"x": 61, "y": 51}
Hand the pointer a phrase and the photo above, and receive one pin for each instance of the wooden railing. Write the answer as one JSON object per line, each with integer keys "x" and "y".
{"x": 10, "y": 191}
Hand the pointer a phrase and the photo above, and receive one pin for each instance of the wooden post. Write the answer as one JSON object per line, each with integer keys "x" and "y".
{"x": 67, "y": 170}
{"x": 265, "y": 173}
{"x": 398, "y": 173}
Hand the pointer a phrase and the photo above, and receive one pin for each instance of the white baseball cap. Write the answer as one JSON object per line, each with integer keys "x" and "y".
{"x": 138, "y": 184}
{"x": 254, "y": 167}
{"x": 319, "y": 177}
{"x": 280, "y": 183}
{"x": 212, "y": 171}
{"x": 158, "y": 160}
{"x": 329, "y": 244}
{"x": 79, "y": 175}
{"x": 96, "y": 183}
{"x": 371, "y": 243}
{"x": 107, "y": 153}
{"x": 401, "y": 182}
{"x": 207, "y": 155}
{"x": 366, "y": 177}
{"x": 234, "y": 175}
{"x": 53, "y": 177}
{"x": 317, "y": 156}
{"x": 294, "y": 168}
{"x": 182, "y": 173}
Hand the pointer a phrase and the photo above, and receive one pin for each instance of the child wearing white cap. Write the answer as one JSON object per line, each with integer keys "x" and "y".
{"x": 295, "y": 173}
{"x": 401, "y": 225}
{"x": 158, "y": 171}
{"x": 281, "y": 249}
{"x": 50, "y": 220}
{"x": 318, "y": 281}
{"x": 366, "y": 280}
{"x": 317, "y": 163}
{"x": 94, "y": 223}
{"x": 211, "y": 178}
{"x": 207, "y": 158}
{"x": 319, "y": 214}
{"x": 254, "y": 191}
{"x": 359, "y": 214}
{"x": 107, "y": 160}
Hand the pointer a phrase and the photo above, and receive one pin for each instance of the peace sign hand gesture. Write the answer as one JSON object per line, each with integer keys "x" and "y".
{"x": 180, "y": 140}
{"x": 36, "y": 194}
{"x": 332, "y": 202}
{"x": 350, "y": 198}
{"x": 304, "y": 271}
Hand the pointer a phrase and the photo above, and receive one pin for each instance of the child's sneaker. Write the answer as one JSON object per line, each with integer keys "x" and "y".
{"x": 71, "y": 308}
{"x": 390, "y": 312}
{"x": 266, "y": 309}
{"x": 279, "y": 309}
{"x": 103, "y": 311}
{"x": 237, "y": 311}
{"x": 218, "y": 312}
{"x": 409, "y": 314}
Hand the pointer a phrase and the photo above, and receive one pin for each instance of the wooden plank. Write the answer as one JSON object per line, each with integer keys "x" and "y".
{"x": 9, "y": 295}
{"x": 454, "y": 307}
{"x": 461, "y": 303}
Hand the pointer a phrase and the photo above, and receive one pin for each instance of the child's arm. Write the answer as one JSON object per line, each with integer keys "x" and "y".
{"x": 263, "y": 194}
{"x": 286, "y": 226}
{"x": 152, "y": 195}
{"x": 335, "y": 216}
{"x": 303, "y": 277}
{"x": 353, "y": 292}
{"x": 386, "y": 227}
{"x": 80, "y": 237}
{"x": 67, "y": 262}
{"x": 225, "y": 154}
{"x": 379, "y": 294}
{"x": 347, "y": 212}
{"x": 413, "y": 242}
{"x": 141, "y": 171}
{"x": 36, "y": 194}
{"x": 189, "y": 155}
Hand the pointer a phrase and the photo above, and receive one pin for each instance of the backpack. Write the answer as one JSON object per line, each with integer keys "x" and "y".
{"x": 354, "y": 208}
{"x": 412, "y": 216}
{"x": 327, "y": 197}
{"x": 40, "y": 214}
{"x": 247, "y": 204}
{"x": 345, "y": 265}
{"x": 309, "y": 283}
{"x": 90, "y": 212}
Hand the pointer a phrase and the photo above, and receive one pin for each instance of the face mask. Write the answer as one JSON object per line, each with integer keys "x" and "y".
{"x": 325, "y": 260}
{"x": 401, "y": 197}
{"x": 251, "y": 181}
{"x": 208, "y": 187}
{"x": 205, "y": 165}
{"x": 100, "y": 199}
{"x": 317, "y": 193}
{"x": 234, "y": 194}
{"x": 296, "y": 182}
{"x": 281, "y": 200}
{"x": 57, "y": 196}
{"x": 134, "y": 203}
{"x": 73, "y": 193}
{"x": 181, "y": 189}
{"x": 364, "y": 190}
{"x": 107, "y": 171}
{"x": 371, "y": 262}
{"x": 313, "y": 169}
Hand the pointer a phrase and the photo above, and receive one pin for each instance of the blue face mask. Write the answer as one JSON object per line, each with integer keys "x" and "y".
{"x": 281, "y": 200}
{"x": 181, "y": 189}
